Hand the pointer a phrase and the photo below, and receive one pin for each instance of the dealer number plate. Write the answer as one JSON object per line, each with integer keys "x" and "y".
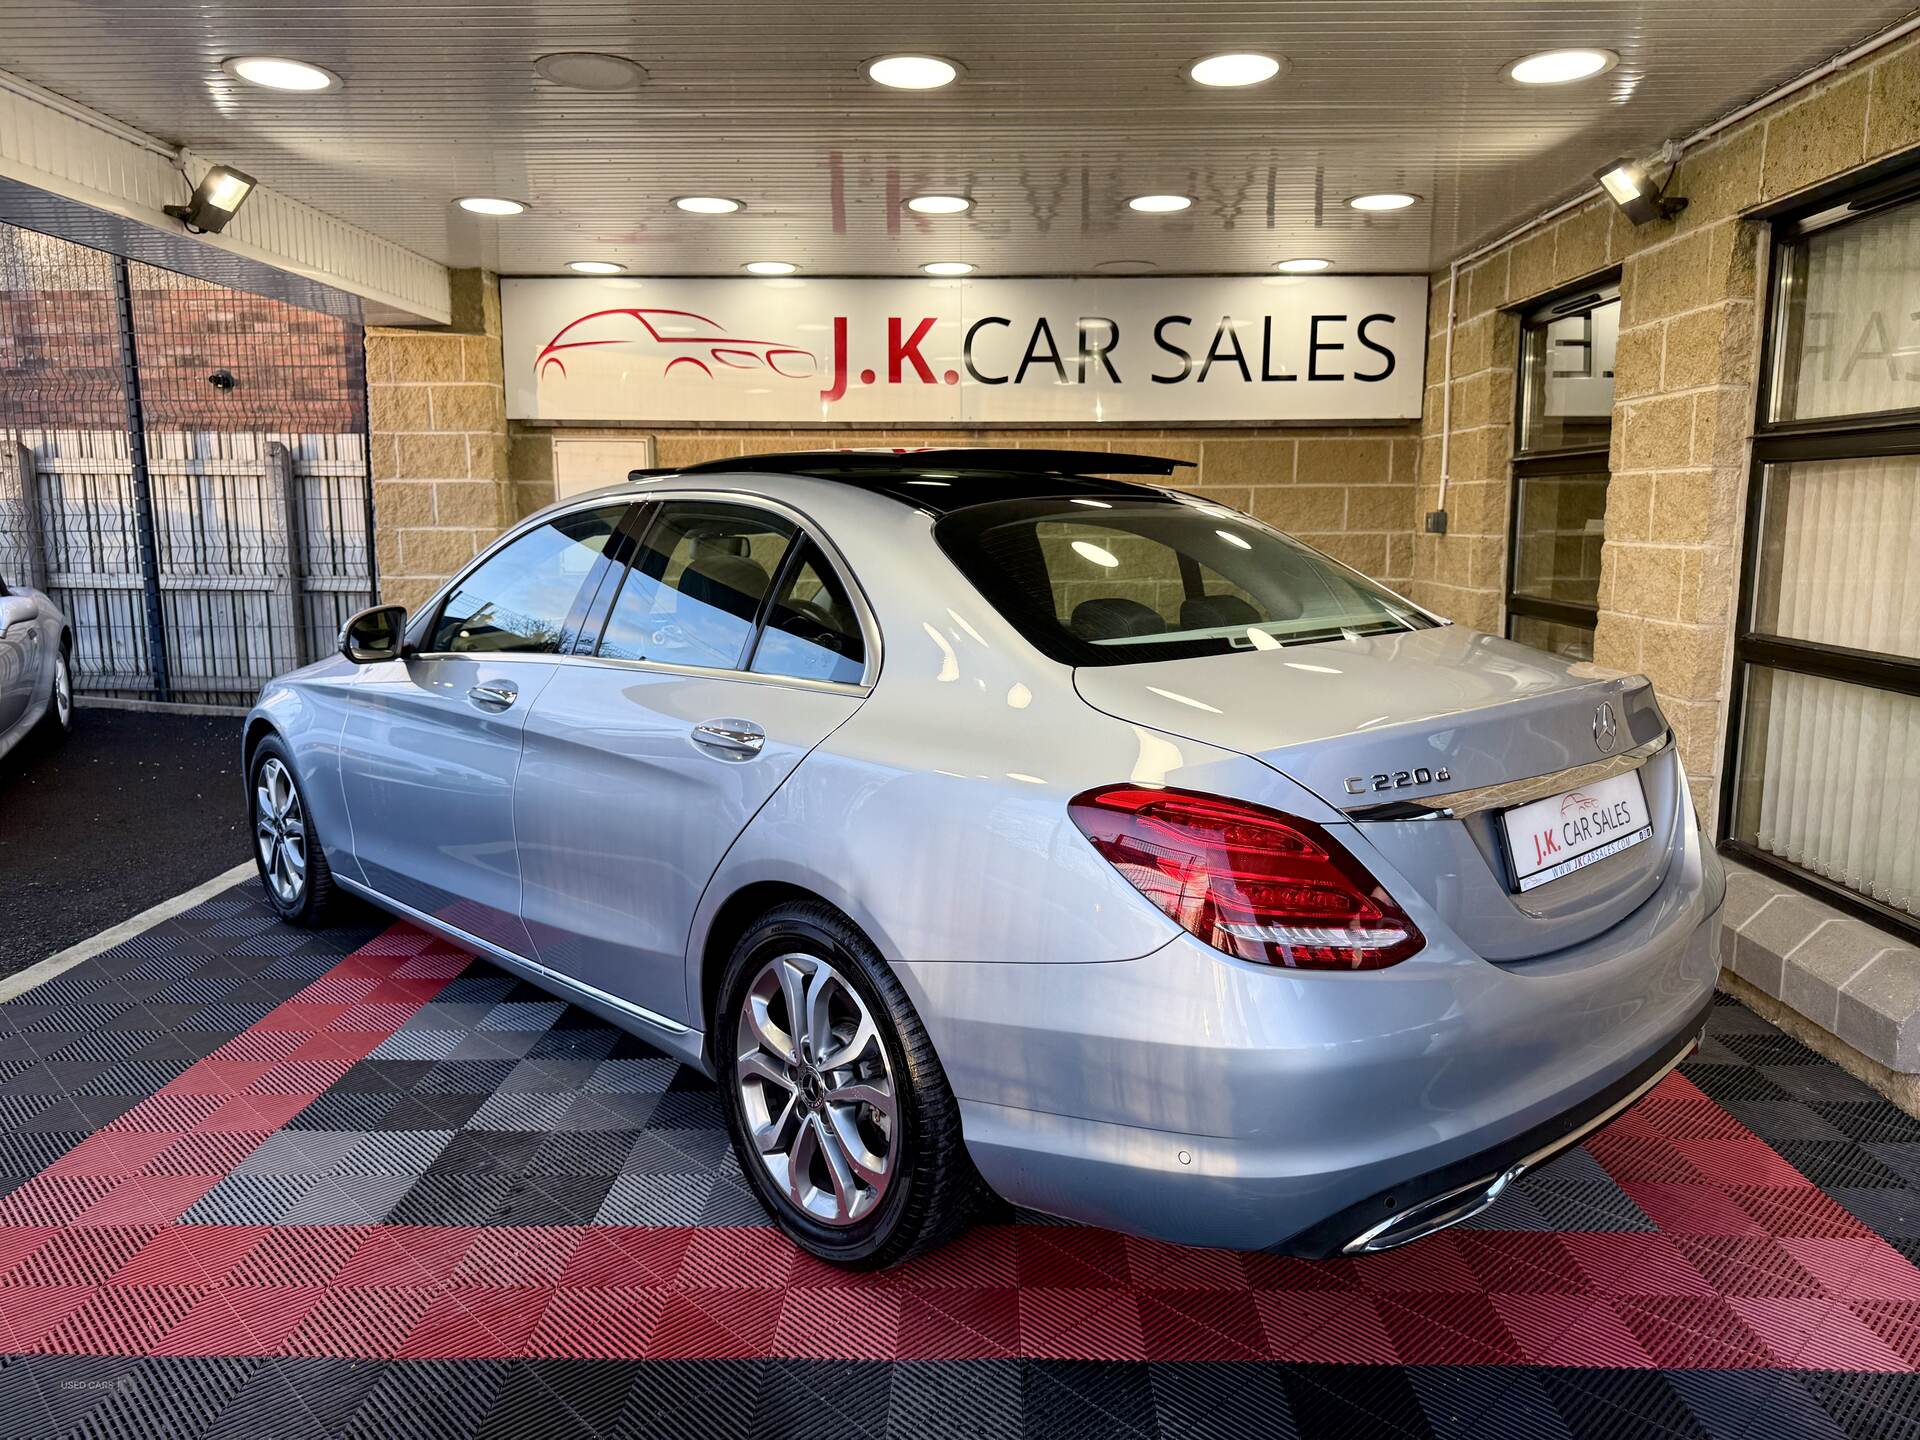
{"x": 1570, "y": 831}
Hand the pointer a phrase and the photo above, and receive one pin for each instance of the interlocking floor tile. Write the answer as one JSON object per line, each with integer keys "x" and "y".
{"x": 255, "y": 1181}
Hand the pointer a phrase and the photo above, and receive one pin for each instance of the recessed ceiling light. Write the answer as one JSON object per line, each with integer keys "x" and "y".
{"x": 948, "y": 267}
{"x": 912, "y": 72}
{"x": 939, "y": 204}
{"x": 707, "y": 204}
{"x": 274, "y": 72}
{"x": 1303, "y": 266}
{"x": 491, "y": 205}
{"x": 589, "y": 70}
{"x": 1384, "y": 200}
{"x": 1124, "y": 267}
{"x": 1560, "y": 67}
{"x": 770, "y": 267}
{"x": 1159, "y": 204}
{"x": 1235, "y": 70}
{"x": 595, "y": 267}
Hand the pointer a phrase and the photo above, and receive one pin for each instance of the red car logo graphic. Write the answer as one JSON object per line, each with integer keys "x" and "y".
{"x": 686, "y": 339}
{"x": 1575, "y": 801}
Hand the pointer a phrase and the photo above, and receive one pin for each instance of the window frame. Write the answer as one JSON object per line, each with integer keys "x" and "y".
{"x": 1868, "y": 435}
{"x": 596, "y": 597}
{"x": 1525, "y": 464}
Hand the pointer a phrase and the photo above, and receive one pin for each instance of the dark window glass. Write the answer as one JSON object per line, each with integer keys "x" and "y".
{"x": 1570, "y": 642}
{"x": 1097, "y": 582}
{"x": 518, "y": 599}
{"x": 696, "y": 585}
{"x": 1566, "y": 366}
{"x": 813, "y": 632}
{"x": 1558, "y": 525}
{"x": 1560, "y": 471}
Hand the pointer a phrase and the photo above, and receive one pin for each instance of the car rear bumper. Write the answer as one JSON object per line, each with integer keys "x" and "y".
{"x": 1197, "y": 1099}
{"x": 1404, "y": 1213}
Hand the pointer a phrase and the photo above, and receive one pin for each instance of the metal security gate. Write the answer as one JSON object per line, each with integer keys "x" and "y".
{"x": 244, "y": 533}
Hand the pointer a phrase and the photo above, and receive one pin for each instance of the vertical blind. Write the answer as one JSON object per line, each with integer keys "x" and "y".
{"x": 1857, "y": 350}
{"x": 1842, "y": 770}
{"x": 1840, "y": 547}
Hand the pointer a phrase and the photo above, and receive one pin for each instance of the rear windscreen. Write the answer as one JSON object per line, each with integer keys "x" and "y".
{"x": 1110, "y": 582}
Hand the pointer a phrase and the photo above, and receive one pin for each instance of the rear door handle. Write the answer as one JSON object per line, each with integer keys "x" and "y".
{"x": 735, "y": 737}
{"x": 493, "y": 697}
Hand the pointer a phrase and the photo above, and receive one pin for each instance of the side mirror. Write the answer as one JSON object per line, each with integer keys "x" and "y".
{"x": 374, "y": 635}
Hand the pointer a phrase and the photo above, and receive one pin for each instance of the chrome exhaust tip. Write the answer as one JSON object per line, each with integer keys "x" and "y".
{"x": 1464, "y": 1202}
{"x": 1435, "y": 1213}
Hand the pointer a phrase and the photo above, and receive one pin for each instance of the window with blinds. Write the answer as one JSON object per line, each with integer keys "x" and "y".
{"x": 1825, "y": 759}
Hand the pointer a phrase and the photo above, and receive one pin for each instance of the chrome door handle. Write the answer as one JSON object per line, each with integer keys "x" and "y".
{"x": 736, "y": 737}
{"x": 493, "y": 697}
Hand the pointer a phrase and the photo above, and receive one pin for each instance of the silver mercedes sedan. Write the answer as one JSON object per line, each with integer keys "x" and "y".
{"x": 36, "y": 660}
{"x": 988, "y": 825}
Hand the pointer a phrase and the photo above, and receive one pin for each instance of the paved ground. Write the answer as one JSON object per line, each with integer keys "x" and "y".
{"x": 256, "y": 1181}
{"x": 135, "y": 808}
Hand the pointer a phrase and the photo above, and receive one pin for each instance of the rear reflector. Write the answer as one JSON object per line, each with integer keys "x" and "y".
{"x": 1250, "y": 881}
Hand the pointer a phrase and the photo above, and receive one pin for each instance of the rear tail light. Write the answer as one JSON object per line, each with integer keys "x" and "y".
{"x": 1247, "y": 880}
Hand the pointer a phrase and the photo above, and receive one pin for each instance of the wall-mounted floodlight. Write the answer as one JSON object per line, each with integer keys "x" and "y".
{"x": 220, "y": 192}
{"x": 1630, "y": 186}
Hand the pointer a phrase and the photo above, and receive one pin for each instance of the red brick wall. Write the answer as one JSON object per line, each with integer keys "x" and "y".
{"x": 295, "y": 370}
{"x": 59, "y": 363}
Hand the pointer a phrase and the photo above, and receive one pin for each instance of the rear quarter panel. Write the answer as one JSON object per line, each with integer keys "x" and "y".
{"x": 936, "y": 817}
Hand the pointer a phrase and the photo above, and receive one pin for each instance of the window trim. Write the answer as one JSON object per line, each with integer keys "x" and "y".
{"x": 1524, "y": 465}
{"x": 1871, "y": 434}
{"x": 640, "y": 509}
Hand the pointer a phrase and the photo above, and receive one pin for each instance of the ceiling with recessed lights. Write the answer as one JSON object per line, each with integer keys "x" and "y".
{"x": 1058, "y": 114}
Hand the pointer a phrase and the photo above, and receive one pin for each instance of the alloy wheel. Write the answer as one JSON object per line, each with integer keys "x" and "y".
{"x": 62, "y": 691}
{"x": 280, "y": 831}
{"x": 816, "y": 1089}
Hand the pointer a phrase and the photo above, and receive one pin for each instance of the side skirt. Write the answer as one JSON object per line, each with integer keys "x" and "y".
{"x": 685, "y": 1044}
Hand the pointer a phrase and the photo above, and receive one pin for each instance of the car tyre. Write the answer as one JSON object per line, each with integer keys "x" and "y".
{"x": 928, "y": 1190}
{"x": 286, "y": 846}
{"x": 57, "y": 723}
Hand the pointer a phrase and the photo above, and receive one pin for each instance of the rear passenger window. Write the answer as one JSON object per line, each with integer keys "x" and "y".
{"x": 813, "y": 632}
{"x": 696, "y": 584}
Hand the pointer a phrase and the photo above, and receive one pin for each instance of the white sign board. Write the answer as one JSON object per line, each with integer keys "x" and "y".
{"x": 1313, "y": 348}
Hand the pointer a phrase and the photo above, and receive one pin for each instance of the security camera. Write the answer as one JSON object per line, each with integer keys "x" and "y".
{"x": 222, "y": 380}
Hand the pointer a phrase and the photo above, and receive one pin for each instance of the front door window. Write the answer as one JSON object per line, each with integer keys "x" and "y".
{"x": 518, "y": 600}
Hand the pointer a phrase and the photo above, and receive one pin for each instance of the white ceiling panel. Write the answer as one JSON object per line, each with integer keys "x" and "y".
{"x": 1063, "y": 109}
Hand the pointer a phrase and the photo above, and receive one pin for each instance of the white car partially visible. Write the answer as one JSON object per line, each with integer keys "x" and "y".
{"x": 36, "y": 667}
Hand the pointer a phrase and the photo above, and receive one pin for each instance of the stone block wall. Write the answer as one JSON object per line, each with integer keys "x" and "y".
{"x": 436, "y": 411}
{"x": 1683, "y": 392}
{"x": 1348, "y": 492}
